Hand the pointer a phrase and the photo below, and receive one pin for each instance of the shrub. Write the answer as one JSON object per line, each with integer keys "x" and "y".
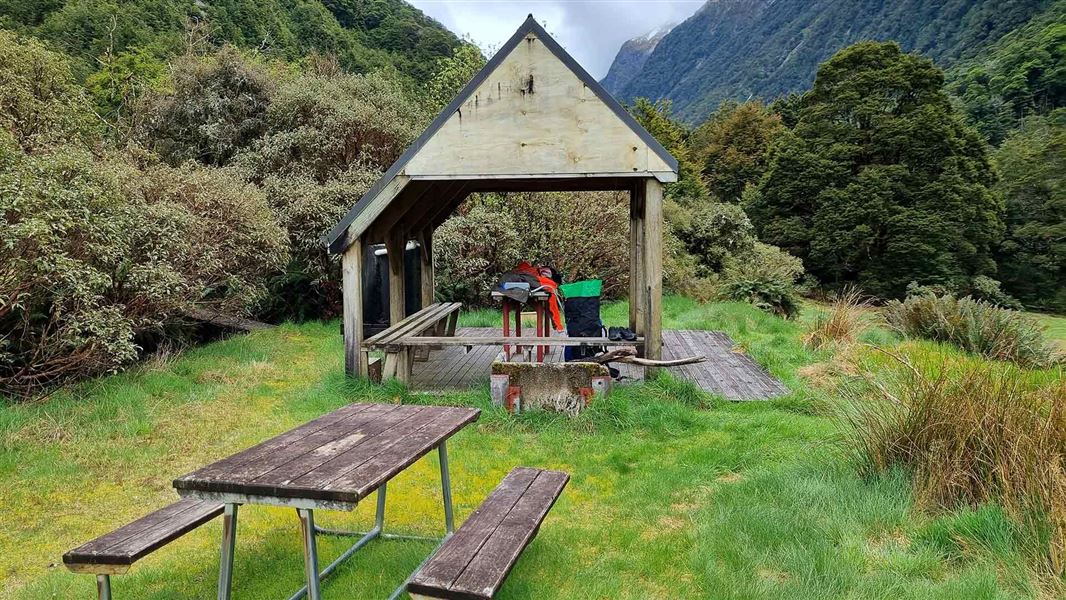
{"x": 216, "y": 107}
{"x": 471, "y": 249}
{"x": 491, "y": 233}
{"x": 40, "y": 102}
{"x": 322, "y": 126}
{"x": 981, "y": 287}
{"x": 309, "y": 288}
{"x": 230, "y": 244}
{"x": 82, "y": 268}
{"x": 969, "y": 438}
{"x": 712, "y": 232}
{"x": 765, "y": 277}
{"x": 985, "y": 288}
{"x": 842, "y": 323}
{"x": 97, "y": 257}
{"x": 974, "y": 326}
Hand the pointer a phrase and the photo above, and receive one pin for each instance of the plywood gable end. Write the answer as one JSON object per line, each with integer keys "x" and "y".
{"x": 533, "y": 115}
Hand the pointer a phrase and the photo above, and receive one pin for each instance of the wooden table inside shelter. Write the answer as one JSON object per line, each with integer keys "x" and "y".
{"x": 540, "y": 300}
{"x": 332, "y": 462}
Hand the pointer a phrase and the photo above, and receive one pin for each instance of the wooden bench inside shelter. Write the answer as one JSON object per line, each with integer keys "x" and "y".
{"x": 438, "y": 319}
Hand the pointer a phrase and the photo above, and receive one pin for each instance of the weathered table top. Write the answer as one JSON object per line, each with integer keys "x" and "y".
{"x": 339, "y": 458}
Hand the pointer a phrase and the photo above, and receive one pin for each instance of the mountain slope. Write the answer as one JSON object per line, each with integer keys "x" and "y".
{"x": 362, "y": 35}
{"x": 738, "y": 49}
{"x": 631, "y": 58}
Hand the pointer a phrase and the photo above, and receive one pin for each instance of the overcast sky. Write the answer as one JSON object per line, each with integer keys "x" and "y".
{"x": 590, "y": 30}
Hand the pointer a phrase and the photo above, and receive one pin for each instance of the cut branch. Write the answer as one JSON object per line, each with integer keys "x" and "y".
{"x": 628, "y": 354}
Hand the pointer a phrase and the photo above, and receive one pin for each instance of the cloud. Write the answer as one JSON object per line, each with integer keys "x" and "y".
{"x": 590, "y": 30}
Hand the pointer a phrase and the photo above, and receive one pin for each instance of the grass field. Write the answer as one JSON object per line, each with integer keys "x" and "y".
{"x": 674, "y": 493}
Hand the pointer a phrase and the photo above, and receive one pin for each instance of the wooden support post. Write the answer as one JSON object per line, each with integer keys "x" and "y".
{"x": 636, "y": 258}
{"x": 425, "y": 242}
{"x": 425, "y": 255}
{"x": 396, "y": 245}
{"x": 653, "y": 272}
{"x": 356, "y": 363}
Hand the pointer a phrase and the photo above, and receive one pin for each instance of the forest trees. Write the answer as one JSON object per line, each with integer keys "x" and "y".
{"x": 880, "y": 183}
{"x": 1032, "y": 256}
{"x": 733, "y": 147}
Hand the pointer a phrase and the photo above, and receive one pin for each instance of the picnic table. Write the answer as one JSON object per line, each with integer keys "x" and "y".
{"x": 330, "y": 463}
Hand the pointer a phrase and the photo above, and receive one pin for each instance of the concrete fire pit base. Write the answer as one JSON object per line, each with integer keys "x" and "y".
{"x": 561, "y": 387}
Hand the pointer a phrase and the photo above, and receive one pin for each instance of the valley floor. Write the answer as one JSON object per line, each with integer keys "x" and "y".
{"x": 674, "y": 493}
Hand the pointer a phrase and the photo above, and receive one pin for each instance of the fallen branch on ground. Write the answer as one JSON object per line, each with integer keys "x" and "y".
{"x": 628, "y": 354}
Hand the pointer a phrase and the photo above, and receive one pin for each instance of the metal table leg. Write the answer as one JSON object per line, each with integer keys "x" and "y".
{"x": 364, "y": 538}
{"x": 307, "y": 528}
{"x": 103, "y": 587}
{"x": 229, "y": 544}
{"x": 446, "y": 488}
{"x": 449, "y": 516}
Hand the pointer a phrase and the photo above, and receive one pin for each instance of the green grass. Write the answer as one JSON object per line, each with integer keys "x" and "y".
{"x": 674, "y": 493}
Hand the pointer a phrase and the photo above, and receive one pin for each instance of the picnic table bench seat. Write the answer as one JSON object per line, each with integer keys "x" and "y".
{"x": 475, "y": 561}
{"x": 113, "y": 553}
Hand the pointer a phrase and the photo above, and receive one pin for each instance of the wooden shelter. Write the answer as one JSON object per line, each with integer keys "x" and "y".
{"x": 531, "y": 120}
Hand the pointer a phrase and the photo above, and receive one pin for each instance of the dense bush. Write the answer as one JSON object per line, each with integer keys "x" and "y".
{"x": 765, "y": 277}
{"x": 583, "y": 235}
{"x": 880, "y": 183}
{"x": 309, "y": 288}
{"x": 83, "y": 272}
{"x": 40, "y": 102}
{"x": 973, "y": 325}
{"x": 97, "y": 257}
{"x": 320, "y": 126}
{"x": 711, "y": 232}
{"x": 1021, "y": 75}
{"x": 312, "y": 140}
{"x": 215, "y": 107}
{"x": 733, "y": 146}
{"x": 1032, "y": 255}
{"x": 232, "y": 244}
{"x": 100, "y": 251}
{"x": 362, "y": 35}
{"x": 968, "y": 438}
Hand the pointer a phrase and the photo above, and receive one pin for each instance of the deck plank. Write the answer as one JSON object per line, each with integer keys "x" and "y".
{"x": 732, "y": 375}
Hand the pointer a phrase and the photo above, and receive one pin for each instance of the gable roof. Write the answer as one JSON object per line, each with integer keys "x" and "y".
{"x": 337, "y": 240}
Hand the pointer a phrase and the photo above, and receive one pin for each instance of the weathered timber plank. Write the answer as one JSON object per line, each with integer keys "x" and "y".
{"x": 341, "y": 478}
{"x": 225, "y": 467}
{"x": 340, "y": 453}
{"x": 413, "y": 324}
{"x": 368, "y": 476}
{"x": 499, "y": 340}
{"x": 133, "y": 541}
{"x": 486, "y": 572}
{"x": 313, "y": 453}
{"x": 449, "y": 562}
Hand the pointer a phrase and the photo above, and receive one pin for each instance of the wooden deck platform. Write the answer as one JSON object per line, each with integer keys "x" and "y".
{"x": 732, "y": 375}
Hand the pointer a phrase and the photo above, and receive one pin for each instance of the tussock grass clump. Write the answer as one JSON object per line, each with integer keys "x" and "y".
{"x": 974, "y": 326}
{"x": 970, "y": 437}
{"x": 842, "y": 324}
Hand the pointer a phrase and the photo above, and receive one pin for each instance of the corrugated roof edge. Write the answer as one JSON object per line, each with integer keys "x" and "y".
{"x": 336, "y": 240}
